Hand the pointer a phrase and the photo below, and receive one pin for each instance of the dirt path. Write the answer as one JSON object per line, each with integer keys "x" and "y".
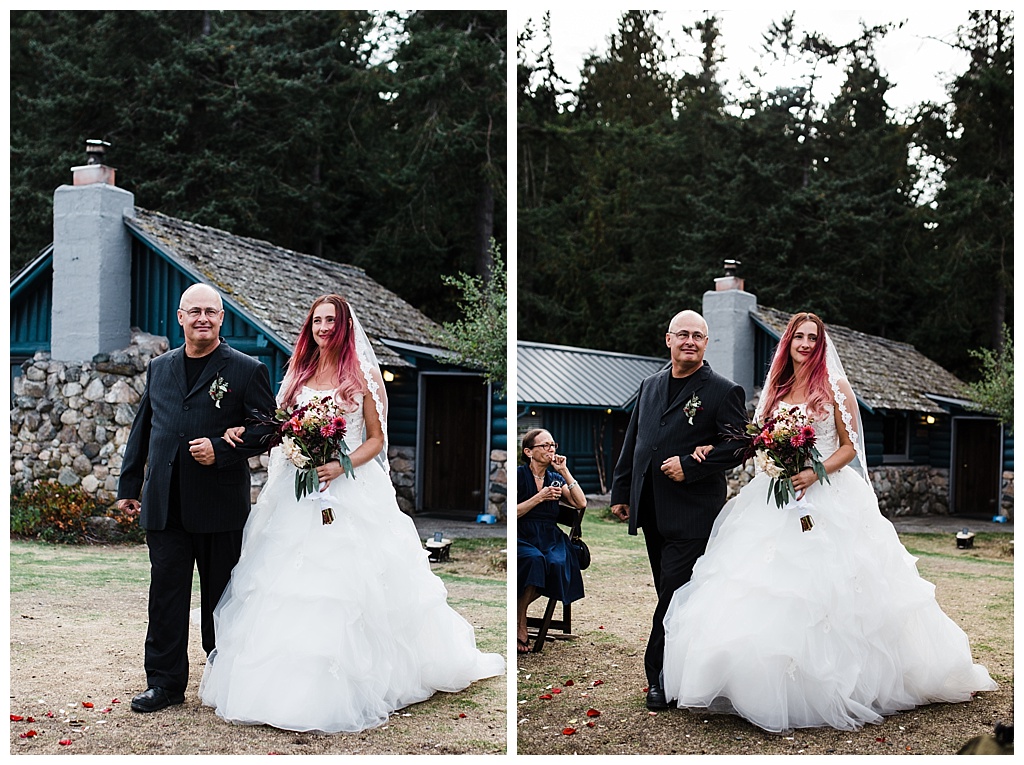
{"x": 78, "y": 624}
{"x": 602, "y": 670}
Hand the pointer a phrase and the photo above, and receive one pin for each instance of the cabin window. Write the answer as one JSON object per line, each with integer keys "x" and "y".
{"x": 895, "y": 438}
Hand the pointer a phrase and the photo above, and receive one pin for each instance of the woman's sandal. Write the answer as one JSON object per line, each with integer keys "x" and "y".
{"x": 524, "y": 645}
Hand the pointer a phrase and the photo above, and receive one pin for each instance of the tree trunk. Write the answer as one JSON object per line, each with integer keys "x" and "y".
{"x": 484, "y": 231}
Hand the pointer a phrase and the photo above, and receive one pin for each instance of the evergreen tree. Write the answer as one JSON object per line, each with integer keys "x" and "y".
{"x": 965, "y": 274}
{"x": 442, "y": 156}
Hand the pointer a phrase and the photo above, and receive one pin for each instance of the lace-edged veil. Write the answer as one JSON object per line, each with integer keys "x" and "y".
{"x": 370, "y": 368}
{"x": 849, "y": 411}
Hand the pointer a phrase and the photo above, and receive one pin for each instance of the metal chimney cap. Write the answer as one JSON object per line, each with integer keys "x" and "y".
{"x": 95, "y": 150}
{"x": 730, "y": 266}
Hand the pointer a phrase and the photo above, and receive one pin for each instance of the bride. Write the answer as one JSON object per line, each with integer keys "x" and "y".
{"x": 333, "y": 627}
{"x": 829, "y": 627}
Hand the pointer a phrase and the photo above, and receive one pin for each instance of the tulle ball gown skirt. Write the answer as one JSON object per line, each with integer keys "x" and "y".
{"x": 828, "y": 627}
{"x": 333, "y": 627}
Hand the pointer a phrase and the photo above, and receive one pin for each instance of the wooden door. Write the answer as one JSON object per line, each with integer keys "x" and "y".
{"x": 977, "y": 467}
{"x": 454, "y": 445}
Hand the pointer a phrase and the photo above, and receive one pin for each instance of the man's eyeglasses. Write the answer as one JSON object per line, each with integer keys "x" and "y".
{"x": 545, "y": 446}
{"x": 195, "y": 313}
{"x": 698, "y": 337}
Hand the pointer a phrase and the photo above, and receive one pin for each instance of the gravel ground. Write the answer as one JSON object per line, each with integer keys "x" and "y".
{"x": 601, "y": 670}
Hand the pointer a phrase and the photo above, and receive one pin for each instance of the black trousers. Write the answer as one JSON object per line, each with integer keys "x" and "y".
{"x": 672, "y": 562}
{"x": 173, "y": 555}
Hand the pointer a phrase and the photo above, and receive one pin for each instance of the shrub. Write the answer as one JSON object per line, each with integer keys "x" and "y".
{"x": 128, "y": 527}
{"x": 51, "y": 512}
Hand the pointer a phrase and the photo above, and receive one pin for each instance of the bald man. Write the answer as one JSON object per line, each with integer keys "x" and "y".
{"x": 194, "y": 486}
{"x": 659, "y": 487}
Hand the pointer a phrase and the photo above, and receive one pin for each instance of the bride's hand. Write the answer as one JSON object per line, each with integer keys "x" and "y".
{"x": 803, "y": 480}
{"x": 701, "y": 452}
{"x": 330, "y": 471}
{"x": 234, "y": 435}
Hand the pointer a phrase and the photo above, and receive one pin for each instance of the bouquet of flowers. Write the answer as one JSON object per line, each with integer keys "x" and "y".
{"x": 310, "y": 436}
{"x": 783, "y": 446}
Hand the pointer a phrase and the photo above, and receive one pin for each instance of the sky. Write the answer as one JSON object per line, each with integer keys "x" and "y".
{"x": 916, "y": 58}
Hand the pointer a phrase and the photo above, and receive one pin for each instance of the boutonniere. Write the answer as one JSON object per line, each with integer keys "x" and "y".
{"x": 692, "y": 407}
{"x": 217, "y": 390}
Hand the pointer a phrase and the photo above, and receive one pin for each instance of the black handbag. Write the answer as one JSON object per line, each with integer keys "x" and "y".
{"x": 582, "y": 552}
{"x": 570, "y": 516}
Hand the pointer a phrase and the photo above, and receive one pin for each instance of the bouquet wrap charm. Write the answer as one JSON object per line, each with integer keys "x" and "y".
{"x": 310, "y": 436}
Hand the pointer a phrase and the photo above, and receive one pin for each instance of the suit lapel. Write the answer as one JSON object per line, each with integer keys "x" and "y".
{"x": 178, "y": 369}
{"x": 660, "y": 388}
{"x": 213, "y": 368}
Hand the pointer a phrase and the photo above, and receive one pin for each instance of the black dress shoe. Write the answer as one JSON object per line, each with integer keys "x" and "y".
{"x": 656, "y": 700}
{"x": 153, "y": 699}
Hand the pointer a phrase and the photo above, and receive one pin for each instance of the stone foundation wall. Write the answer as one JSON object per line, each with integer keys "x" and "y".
{"x": 70, "y": 422}
{"x": 901, "y": 489}
{"x": 497, "y": 484}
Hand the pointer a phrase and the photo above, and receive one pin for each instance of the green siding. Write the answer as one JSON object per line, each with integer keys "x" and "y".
{"x": 31, "y": 309}
{"x": 576, "y": 432}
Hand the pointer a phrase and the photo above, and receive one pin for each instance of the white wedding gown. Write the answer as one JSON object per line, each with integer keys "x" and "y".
{"x": 829, "y": 627}
{"x": 333, "y": 627}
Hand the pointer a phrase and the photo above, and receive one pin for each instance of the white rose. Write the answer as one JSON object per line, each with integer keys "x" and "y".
{"x": 765, "y": 463}
{"x": 293, "y": 453}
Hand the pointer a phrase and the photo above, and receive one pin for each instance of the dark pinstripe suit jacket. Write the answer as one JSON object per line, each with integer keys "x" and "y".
{"x": 213, "y": 497}
{"x": 687, "y": 509}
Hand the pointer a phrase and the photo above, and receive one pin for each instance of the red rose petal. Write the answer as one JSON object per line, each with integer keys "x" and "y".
{"x": 545, "y": 696}
{"x": 570, "y": 731}
{"x": 599, "y": 682}
{"x": 115, "y": 701}
{"x": 880, "y": 740}
{"x": 556, "y": 690}
{"x": 17, "y": 718}
{"x": 601, "y": 627}
{"x": 28, "y": 734}
{"x": 87, "y": 704}
{"x": 568, "y": 683}
{"x": 107, "y": 709}
{"x": 65, "y": 742}
{"x": 49, "y": 714}
{"x": 461, "y": 715}
{"x": 30, "y": 719}
{"x": 593, "y": 713}
{"x": 590, "y": 723}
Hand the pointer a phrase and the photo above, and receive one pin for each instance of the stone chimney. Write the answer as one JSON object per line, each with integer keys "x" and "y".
{"x": 730, "y": 328}
{"x": 92, "y": 264}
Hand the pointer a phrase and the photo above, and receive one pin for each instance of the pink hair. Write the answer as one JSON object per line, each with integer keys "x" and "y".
{"x": 340, "y": 350}
{"x": 783, "y": 375}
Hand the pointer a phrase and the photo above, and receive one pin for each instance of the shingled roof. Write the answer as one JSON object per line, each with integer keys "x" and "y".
{"x": 884, "y": 374}
{"x": 562, "y": 375}
{"x": 276, "y": 285}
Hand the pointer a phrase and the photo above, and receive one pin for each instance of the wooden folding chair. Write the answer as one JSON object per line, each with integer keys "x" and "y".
{"x": 539, "y": 627}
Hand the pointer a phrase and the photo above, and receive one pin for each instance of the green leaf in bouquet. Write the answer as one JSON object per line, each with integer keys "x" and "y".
{"x": 346, "y": 463}
{"x": 819, "y": 471}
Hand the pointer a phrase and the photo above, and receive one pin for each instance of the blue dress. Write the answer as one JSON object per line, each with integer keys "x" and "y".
{"x": 546, "y": 559}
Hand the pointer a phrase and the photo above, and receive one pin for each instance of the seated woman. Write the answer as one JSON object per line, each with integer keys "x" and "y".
{"x": 547, "y": 561}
